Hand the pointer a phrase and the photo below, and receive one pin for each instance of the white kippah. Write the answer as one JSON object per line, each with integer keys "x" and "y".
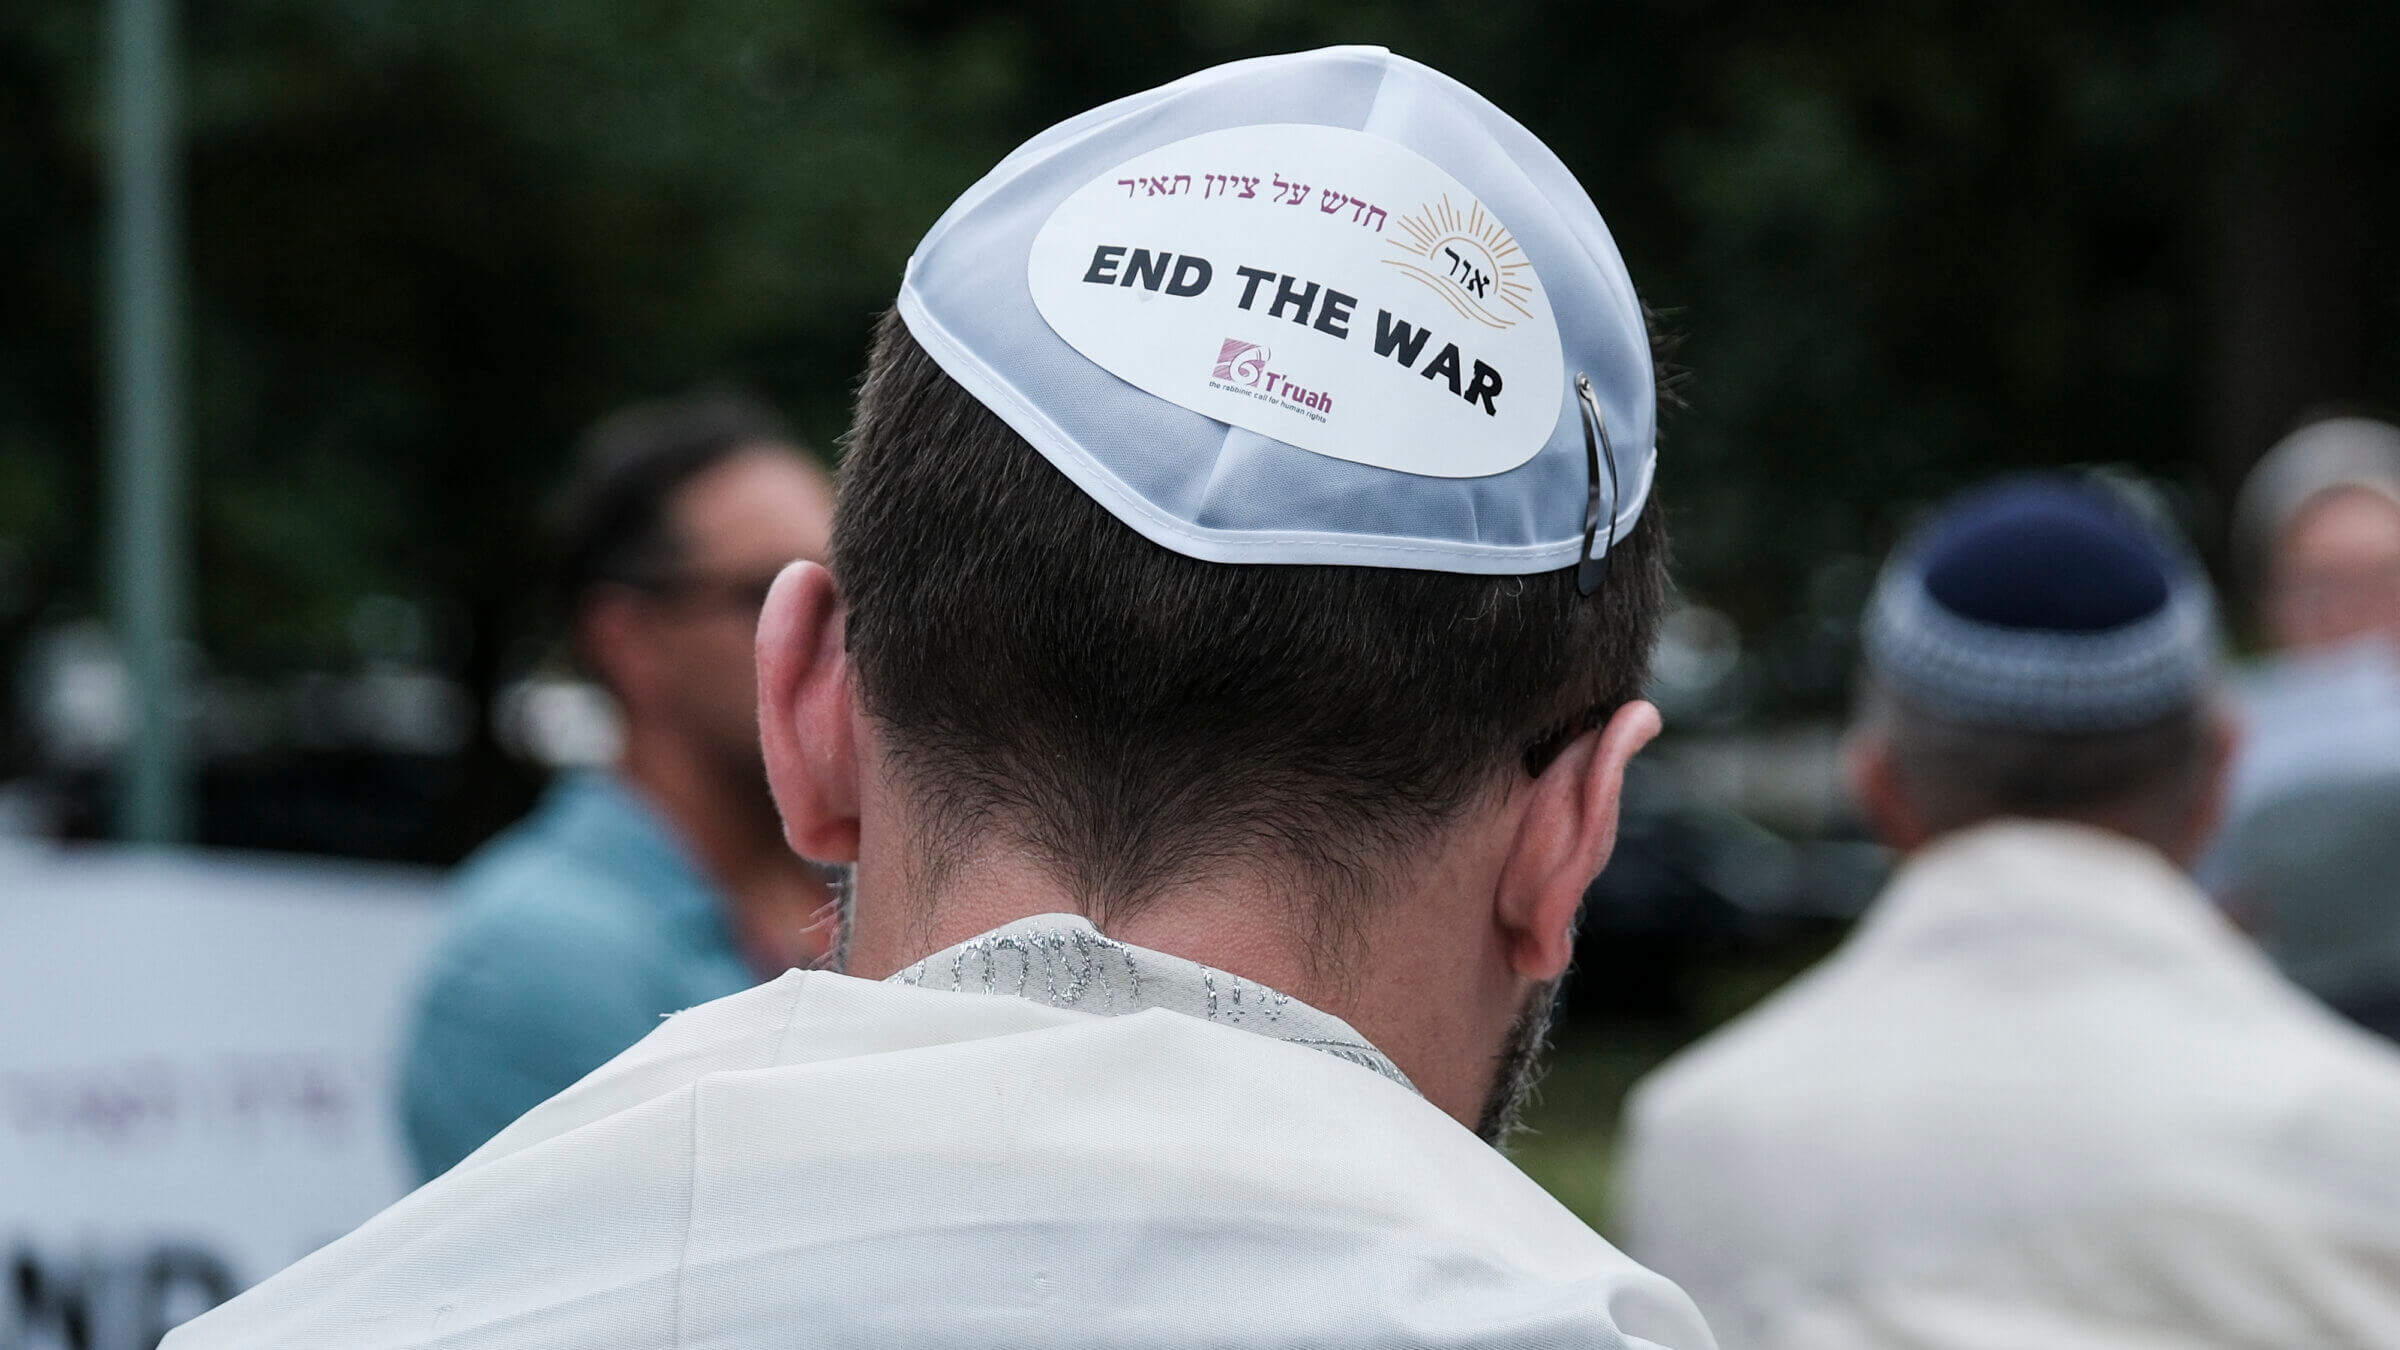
{"x": 1321, "y": 308}
{"x": 2330, "y": 453}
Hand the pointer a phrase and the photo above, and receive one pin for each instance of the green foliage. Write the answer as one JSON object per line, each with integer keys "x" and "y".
{"x": 1570, "y": 1137}
{"x": 429, "y": 239}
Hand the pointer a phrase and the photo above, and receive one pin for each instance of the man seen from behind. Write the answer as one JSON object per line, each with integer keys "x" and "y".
{"x": 1241, "y": 596}
{"x": 2044, "y": 1095}
{"x": 664, "y": 881}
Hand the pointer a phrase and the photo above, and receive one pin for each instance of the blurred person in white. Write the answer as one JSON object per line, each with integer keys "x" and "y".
{"x": 2310, "y": 857}
{"x": 2045, "y": 1095}
{"x": 1224, "y": 718}
{"x": 2319, "y": 522}
{"x": 664, "y": 881}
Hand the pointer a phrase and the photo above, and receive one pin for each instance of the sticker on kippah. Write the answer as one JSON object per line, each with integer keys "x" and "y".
{"x": 1324, "y": 287}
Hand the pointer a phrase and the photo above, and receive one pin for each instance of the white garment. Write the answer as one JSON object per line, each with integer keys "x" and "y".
{"x": 829, "y": 1161}
{"x": 1061, "y": 960}
{"x": 2312, "y": 719}
{"x": 2044, "y": 1097}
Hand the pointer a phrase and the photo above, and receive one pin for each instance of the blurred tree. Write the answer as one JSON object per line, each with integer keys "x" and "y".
{"x": 1911, "y": 244}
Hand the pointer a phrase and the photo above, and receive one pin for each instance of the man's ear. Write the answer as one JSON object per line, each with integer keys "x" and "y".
{"x": 2207, "y": 813}
{"x": 1875, "y": 785}
{"x": 1564, "y": 837}
{"x": 805, "y": 712}
{"x": 613, "y": 641}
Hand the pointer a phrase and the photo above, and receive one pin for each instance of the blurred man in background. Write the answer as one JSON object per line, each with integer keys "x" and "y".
{"x": 631, "y": 894}
{"x": 1221, "y": 807}
{"x": 2310, "y": 859}
{"x": 2045, "y": 1096}
{"x": 2318, "y": 523}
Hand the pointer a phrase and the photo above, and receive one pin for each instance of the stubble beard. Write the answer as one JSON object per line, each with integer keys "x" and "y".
{"x": 1520, "y": 1067}
{"x": 843, "y": 879}
{"x": 1520, "y": 1057}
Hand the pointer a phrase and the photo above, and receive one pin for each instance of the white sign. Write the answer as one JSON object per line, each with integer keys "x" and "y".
{"x": 196, "y": 1072}
{"x": 1325, "y": 287}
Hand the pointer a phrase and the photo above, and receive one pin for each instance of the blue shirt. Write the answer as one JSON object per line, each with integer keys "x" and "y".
{"x": 571, "y": 934}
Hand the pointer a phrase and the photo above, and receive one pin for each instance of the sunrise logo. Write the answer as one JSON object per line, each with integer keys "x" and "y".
{"x": 1468, "y": 260}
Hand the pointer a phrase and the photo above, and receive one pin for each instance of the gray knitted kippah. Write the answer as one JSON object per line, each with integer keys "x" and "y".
{"x": 2042, "y": 604}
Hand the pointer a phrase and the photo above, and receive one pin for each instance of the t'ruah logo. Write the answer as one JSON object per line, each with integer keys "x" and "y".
{"x": 1242, "y": 362}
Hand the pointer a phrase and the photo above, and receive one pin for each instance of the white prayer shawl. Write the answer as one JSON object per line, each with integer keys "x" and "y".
{"x": 2045, "y": 1097}
{"x": 828, "y": 1161}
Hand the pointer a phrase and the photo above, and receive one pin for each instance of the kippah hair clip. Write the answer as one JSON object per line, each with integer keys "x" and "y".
{"x": 1599, "y": 531}
{"x": 1591, "y": 570}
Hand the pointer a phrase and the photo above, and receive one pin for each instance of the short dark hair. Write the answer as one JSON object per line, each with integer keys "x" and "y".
{"x": 1957, "y": 775}
{"x": 610, "y": 523}
{"x": 1135, "y": 718}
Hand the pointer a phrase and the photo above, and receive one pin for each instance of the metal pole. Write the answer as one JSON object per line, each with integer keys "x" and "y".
{"x": 145, "y": 416}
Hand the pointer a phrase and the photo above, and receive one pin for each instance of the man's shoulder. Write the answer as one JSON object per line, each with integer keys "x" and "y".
{"x": 1927, "y": 1064}
{"x": 533, "y": 919}
{"x": 1192, "y": 1115}
{"x": 527, "y": 928}
{"x": 2337, "y": 1123}
{"x": 1761, "y": 1052}
{"x": 537, "y": 876}
{"x": 790, "y": 1151}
